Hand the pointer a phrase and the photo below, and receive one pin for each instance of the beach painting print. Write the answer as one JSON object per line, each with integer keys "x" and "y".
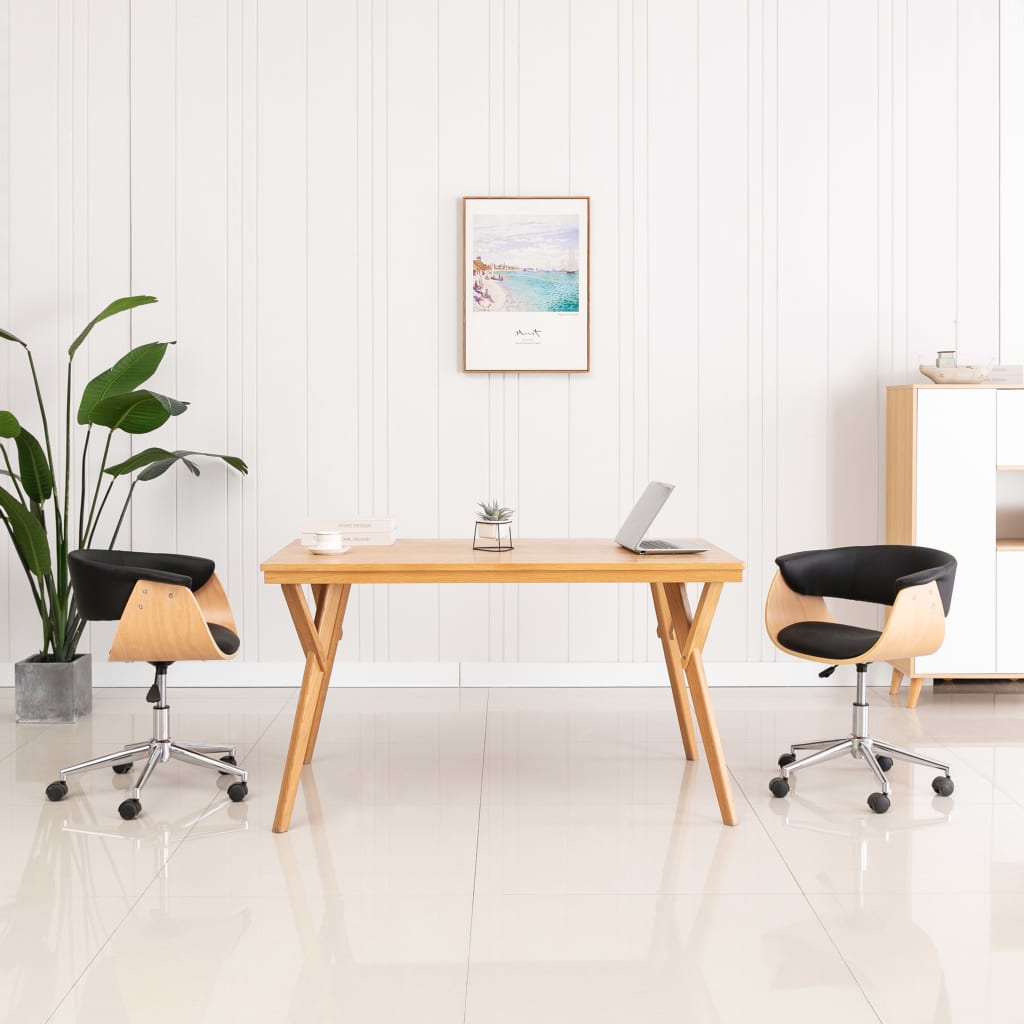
{"x": 526, "y": 283}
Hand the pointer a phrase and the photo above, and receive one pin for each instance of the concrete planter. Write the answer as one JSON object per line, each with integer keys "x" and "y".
{"x": 53, "y": 691}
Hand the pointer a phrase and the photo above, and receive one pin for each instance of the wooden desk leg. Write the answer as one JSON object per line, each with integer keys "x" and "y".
{"x": 692, "y": 631}
{"x": 676, "y": 673}
{"x": 316, "y": 638}
{"x": 332, "y": 650}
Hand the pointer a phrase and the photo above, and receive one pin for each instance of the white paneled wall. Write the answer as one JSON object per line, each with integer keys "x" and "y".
{"x": 790, "y": 200}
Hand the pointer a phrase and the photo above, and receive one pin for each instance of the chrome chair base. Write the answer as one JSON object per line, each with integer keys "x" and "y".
{"x": 157, "y": 750}
{"x": 877, "y": 754}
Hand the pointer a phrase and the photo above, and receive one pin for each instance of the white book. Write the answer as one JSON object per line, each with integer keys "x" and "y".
{"x": 363, "y": 538}
{"x": 351, "y": 524}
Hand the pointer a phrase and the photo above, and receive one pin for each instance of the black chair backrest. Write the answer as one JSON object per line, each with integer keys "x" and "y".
{"x": 103, "y": 580}
{"x": 875, "y": 573}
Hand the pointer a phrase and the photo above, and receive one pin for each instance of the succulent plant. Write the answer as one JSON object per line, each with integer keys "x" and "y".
{"x": 492, "y": 512}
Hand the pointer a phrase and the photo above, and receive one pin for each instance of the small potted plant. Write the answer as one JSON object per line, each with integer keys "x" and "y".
{"x": 490, "y": 519}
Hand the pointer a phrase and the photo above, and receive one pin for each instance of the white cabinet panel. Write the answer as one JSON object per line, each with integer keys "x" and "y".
{"x": 1010, "y": 428}
{"x": 1010, "y": 612}
{"x": 956, "y": 497}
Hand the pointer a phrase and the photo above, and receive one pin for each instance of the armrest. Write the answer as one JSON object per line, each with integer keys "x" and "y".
{"x": 915, "y": 625}
{"x": 214, "y": 604}
{"x": 165, "y": 622}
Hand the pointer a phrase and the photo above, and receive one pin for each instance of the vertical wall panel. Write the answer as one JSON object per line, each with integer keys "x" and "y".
{"x": 673, "y": 178}
{"x": 977, "y": 162}
{"x": 593, "y": 506}
{"x": 762, "y": 552}
{"x": 1011, "y": 170}
{"x": 803, "y": 275}
{"x": 332, "y": 289}
{"x": 154, "y": 253}
{"x": 8, "y": 563}
{"x": 411, "y": 245}
{"x": 33, "y": 302}
{"x": 932, "y": 257}
{"x": 282, "y": 465}
{"x": 543, "y": 398}
{"x": 463, "y": 400}
{"x": 202, "y": 350}
{"x": 854, "y": 394}
{"x": 631, "y": 599}
{"x": 723, "y": 477}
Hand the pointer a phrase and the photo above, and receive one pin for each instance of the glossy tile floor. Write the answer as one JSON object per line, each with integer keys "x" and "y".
{"x": 526, "y": 855}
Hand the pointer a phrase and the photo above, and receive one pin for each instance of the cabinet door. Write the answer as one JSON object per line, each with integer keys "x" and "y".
{"x": 956, "y": 511}
{"x": 1010, "y": 428}
{"x": 1010, "y": 612}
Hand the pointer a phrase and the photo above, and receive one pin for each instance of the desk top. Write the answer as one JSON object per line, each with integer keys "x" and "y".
{"x": 530, "y": 561}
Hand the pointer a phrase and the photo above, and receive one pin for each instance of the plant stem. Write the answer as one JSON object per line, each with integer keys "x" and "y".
{"x": 89, "y": 527}
{"x": 124, "y": 510}
{"x": 81, "y": 497}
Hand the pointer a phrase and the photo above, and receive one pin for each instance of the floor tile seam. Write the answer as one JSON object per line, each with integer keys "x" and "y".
{"x": 19, "y": 746}
{"x": 263, "y": 733}
{"x": 133, "y": 906}
{"x": 476, "y": 860}
{"x": 849, "y": 968}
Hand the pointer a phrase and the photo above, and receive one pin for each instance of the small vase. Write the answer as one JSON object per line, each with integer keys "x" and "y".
{"x": 496, "y": 536}
{"x": 53, "y": 691}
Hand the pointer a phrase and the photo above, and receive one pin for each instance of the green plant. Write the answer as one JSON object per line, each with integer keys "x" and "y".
{"x": 492, "y": 512}
{"x": 36, "y": 506}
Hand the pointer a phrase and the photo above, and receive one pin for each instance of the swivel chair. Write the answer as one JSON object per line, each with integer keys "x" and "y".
{"x": 168, "y": 608}
{"x": 916, "y": 586}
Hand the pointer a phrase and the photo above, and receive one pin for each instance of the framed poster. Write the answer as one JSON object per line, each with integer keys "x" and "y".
{"x": 526, "y": 283}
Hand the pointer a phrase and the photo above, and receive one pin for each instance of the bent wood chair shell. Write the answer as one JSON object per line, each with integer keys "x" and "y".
{"x": 169, "y": 622}
{"x": 915, "y": 624}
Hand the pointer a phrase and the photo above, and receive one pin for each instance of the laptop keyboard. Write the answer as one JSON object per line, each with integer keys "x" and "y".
{"x": 659, "y": 545}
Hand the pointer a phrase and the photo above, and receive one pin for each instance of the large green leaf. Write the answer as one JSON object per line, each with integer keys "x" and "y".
{"x": 9, "y": 425}
{"x": 36, "y": 476}
{"x": 137, "y": 412}
{"x": 117, "y": 306}
{"x": 125, "y": 375}
{"x": 12, "y": 337}
{"x": 29, "y": 535}
{"x": 155, "y": 462}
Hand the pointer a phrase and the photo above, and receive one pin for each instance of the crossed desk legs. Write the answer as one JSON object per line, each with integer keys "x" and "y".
{"x": 682, "y": 634}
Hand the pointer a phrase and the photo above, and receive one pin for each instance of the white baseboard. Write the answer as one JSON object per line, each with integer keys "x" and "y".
{"x": 471, "y": 674}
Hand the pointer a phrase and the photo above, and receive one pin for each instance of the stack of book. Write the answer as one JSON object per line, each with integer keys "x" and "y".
{"x": 355, "y": 531}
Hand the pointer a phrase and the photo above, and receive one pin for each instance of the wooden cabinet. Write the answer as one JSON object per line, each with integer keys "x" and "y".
{"x": 955, "y": 481}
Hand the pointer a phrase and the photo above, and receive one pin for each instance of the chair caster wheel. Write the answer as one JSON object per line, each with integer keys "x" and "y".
{"x": 238, "y": 791}
{"x": 779, "y": 786}
{"x": 785, "y": 759}
{"x": 942, "y": 784}
{"x": 130, "y": 808}
{"x": 122, "y": 769}
{"x": 57, "y": 790}
{"x": 878, "y": 802}
{"x": 228, "y": 759}
{"x": 884, "y": 762}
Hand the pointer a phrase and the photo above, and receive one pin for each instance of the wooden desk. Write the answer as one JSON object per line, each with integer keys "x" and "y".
{"x": 682, "y": 631}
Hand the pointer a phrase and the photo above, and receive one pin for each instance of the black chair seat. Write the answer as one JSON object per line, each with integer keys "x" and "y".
{"x": 227, "y": 641}
{"x": 832, "y": 640}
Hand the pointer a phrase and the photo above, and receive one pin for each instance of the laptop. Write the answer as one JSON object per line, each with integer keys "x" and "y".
{"x": 638, "y": 522}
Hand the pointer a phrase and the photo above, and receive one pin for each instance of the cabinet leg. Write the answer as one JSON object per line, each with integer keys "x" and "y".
{"x": 916, "y": 682}
{"x": 897, "y": 681}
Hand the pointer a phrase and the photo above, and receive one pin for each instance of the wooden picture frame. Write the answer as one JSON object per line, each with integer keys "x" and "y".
{"x": 526, "y": 284}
